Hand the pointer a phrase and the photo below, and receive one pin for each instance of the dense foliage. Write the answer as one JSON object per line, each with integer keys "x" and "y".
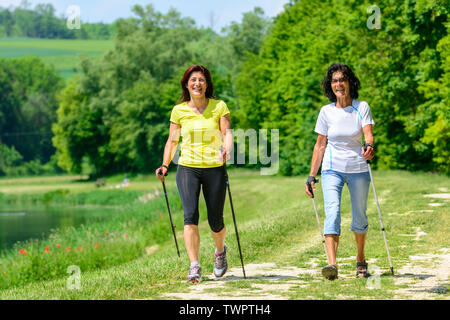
{"x": 28, "y": 107}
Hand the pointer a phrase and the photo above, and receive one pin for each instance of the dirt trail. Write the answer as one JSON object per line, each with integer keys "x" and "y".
{"x": 273, "y": 281}
{"x": 425, "y": 276}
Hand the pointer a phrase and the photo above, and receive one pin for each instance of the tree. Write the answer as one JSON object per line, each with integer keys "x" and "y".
{"x": 9, "y": 157}
{"x": 27, "y": 106}
{"x": 247, "y": 36}
{"x": 437, "y": 93}
{"x": 6, "y": 21}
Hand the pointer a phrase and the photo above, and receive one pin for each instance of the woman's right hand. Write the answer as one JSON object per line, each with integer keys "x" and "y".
{"x": 161, "y": 173}
{"x": 309, "y": 186}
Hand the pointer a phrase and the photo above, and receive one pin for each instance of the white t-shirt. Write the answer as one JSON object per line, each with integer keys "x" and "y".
{"x": 343, "y": 127}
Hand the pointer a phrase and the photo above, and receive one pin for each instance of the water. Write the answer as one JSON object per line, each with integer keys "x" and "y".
{"x": 19, "y": 224}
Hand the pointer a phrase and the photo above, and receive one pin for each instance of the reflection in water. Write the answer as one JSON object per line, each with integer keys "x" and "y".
{"x": 12, "y": 214}
{"x": 24, "y": 224}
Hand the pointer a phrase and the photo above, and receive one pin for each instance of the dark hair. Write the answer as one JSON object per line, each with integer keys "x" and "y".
{"x": 353, "y": 81}
{"x": 185, "y": 96}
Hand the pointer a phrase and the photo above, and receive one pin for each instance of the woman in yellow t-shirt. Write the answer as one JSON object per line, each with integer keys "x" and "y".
{"x": 205, "y": 129}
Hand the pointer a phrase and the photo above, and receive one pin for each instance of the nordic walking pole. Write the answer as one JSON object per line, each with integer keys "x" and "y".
{"x": 317, "y": 216}
{"x": 234, "y": 217}
{"x": 379, "y": 215}
{"x": 168, "y": 208}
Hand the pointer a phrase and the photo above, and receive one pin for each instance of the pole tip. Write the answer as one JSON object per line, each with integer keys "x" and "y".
{"x": 392, "y": 270}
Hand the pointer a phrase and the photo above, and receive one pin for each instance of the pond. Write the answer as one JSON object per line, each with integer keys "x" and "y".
{"x": 21, "y": 224}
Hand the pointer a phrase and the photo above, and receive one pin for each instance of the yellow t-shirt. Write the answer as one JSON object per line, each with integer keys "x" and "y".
{"x": 201, "y": 138}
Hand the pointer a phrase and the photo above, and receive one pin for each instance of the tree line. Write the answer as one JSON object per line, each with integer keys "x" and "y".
{"x": 42, "y": 22}
{"x": 115, "y": 115}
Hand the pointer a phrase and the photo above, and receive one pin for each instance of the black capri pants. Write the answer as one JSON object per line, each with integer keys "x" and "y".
{"x": 213, "y": 184}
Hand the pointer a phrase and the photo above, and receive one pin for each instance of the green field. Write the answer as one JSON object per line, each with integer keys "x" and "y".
{"x": 281, "y": 245}
{"x": 64, "y": 55}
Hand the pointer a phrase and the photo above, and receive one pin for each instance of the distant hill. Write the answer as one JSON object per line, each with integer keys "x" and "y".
{"x": 63, "y": 54}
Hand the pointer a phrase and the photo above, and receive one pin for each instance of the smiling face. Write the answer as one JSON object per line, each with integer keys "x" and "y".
{"x": 197, "y": 85}
{"x": 340, "y": 85}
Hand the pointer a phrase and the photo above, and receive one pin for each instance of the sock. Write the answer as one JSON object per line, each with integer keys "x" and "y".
{"x": 194, "y": 263}
{"x": 219, "y": 253}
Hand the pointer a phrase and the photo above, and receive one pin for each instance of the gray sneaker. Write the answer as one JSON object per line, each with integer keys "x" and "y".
{"x": 220, "y": 264}
{"x": 195, "y": 274}
{"x": 330, "y": 272}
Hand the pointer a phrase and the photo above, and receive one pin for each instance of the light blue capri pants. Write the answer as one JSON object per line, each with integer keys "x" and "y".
{"x": 358, "y": 184}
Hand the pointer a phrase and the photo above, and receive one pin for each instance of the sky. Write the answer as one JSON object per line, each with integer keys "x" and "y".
{"x": 222, "y": 11}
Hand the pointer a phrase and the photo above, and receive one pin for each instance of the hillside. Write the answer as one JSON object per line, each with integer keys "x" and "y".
{"x": 64, "y": 55}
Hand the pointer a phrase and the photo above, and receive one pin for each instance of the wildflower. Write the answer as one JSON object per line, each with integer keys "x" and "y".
{"x": 106, "y": 233}
{"x": 126, "y": 235}
{"x": 22, "y": 251}
{"x": 80, "y": 248}
{"x": 96, "y": 245}
{"x": 68, "y": 249}
{"x": 57, "y": 245}
{"x": 47, "y": 248}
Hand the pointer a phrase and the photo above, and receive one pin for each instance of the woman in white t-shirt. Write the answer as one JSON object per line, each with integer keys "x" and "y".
{"x": 343, "y": 159}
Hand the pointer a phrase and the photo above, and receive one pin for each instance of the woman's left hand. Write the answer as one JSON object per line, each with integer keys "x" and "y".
{"x": 368, "y": 153}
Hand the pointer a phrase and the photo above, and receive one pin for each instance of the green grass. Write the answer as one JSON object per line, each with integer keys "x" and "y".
{"x": 64, "y": 55}
{"x": 276, "y": 224}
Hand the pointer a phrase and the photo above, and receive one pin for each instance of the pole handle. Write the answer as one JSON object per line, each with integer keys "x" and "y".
{"x": 308, "y": 184}
{"x": 365, "y": 149}
{"x": 160, "y": 173}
